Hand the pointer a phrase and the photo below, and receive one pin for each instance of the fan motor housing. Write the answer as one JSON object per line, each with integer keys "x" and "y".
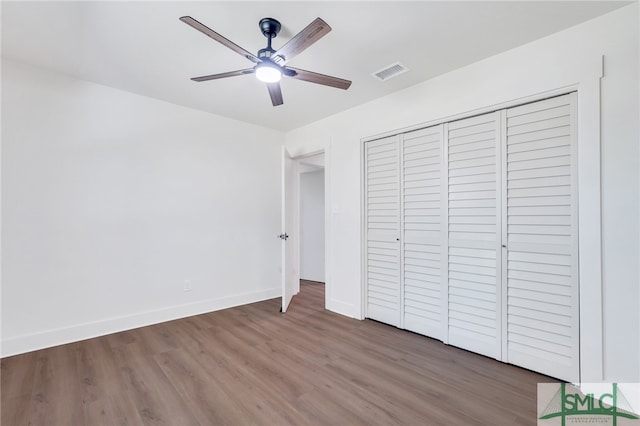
{"x": 267, "y": 52}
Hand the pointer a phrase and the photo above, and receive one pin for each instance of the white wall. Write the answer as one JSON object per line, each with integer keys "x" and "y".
{"x": 569, "y": 59}
{"x": 111, "y": 200}
{"x": 312, "y": 226}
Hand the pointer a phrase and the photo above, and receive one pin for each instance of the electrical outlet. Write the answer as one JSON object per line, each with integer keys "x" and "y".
{"x": 187, "y": 285}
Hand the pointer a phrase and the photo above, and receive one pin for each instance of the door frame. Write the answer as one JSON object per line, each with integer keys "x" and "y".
{"x": 590, "y": 285}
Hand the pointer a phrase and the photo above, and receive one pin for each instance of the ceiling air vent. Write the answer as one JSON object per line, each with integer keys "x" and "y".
{"x": 390, "y": 71}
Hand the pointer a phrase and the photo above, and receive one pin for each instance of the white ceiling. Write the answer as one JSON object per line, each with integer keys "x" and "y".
{"x": 143, "y": 48}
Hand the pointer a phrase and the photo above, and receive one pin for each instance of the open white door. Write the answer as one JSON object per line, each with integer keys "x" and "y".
{"x": 289, "y": 287}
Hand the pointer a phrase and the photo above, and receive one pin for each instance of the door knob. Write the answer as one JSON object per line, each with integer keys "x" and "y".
{"x": 284, "y": 236}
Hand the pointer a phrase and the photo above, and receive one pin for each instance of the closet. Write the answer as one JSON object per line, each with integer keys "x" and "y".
{"x": 471, "y": 234}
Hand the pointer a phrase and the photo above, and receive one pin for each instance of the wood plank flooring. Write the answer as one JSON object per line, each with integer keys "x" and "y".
{"x": 253, "y": 365}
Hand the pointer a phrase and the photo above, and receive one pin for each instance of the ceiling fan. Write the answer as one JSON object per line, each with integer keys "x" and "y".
{"x": 269, "y": 63}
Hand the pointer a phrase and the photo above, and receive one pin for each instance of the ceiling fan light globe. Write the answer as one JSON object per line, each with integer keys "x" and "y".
{"x": 268, "y": 74}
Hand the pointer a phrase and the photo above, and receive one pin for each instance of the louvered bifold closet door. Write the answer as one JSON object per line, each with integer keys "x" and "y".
{"x": 421, "y": 240}
{"x": 541, "y": 231}
{"x": 473, "y": 235}
{"x": 382, "y": 203}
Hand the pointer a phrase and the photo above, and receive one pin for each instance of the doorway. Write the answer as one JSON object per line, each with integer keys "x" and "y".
{"x": 311, "y": 221}
{"x": 309, "y": 258}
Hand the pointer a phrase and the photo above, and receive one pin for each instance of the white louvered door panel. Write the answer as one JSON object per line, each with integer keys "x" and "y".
{"x": 382, "y": 204}
{"x": 541, "y": 233}
{"x": 421, "y": 240}
{"x": 474, "y": 297}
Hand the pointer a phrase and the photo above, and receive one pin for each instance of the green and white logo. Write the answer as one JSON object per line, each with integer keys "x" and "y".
{"x": 592, "y": 403}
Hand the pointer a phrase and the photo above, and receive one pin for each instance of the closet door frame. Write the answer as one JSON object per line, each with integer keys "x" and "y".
{"x": 586, "y": 82}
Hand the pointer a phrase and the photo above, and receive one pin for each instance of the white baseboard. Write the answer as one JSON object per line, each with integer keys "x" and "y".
{"x": 60, "y": 336}
{"x": 343, "y": 308}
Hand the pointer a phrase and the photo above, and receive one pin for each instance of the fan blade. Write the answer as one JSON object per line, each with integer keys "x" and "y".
{"x": 223, "y": 75}
{"x": 305, "y": 38}
{"x": 276, "y": 93}
{"x": 317, "y": 78}
{"x": 217, "y": 37}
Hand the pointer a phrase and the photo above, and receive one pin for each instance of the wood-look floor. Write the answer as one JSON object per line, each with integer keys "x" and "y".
{"x": 254, "y": 365}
